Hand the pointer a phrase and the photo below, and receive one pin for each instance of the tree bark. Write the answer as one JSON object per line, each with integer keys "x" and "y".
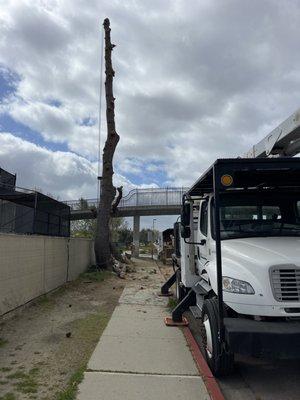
{"x": 108, "y": 191}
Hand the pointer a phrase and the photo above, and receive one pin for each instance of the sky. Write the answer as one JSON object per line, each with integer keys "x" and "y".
{"x": 195, "y": 81}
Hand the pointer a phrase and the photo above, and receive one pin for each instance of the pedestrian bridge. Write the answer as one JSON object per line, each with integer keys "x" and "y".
{"x": 138, "y": 202}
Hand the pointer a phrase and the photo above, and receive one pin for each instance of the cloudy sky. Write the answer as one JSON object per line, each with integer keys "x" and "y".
{"x": 195, "y": 80}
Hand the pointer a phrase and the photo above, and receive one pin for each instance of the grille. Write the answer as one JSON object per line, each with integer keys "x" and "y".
{"x": 286, "y": 283}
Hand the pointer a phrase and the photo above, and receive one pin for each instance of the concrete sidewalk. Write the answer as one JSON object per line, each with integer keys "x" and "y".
{"x": 138, "y": 357}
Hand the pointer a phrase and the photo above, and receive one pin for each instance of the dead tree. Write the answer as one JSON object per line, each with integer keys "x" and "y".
{"x": 108, "y": 191}
{"x": 117, "y": 200}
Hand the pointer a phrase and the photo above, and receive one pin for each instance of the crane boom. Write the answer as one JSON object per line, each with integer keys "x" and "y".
{"x": 282, "y": 141}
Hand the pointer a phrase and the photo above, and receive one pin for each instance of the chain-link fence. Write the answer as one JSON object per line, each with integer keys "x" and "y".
{"x": 29, "y": 212}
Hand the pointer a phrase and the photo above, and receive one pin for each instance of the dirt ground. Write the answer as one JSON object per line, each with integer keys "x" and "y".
{"x": 45, "y": 346}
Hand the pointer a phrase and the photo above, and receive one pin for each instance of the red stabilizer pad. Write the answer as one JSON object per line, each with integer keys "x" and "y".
{"x": 165, "y": 294}
{"x": 170, "y": 322}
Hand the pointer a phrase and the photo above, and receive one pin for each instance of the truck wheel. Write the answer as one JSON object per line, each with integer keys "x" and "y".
{"x": 179, "y": 289}
{"x": 220, "y": 363}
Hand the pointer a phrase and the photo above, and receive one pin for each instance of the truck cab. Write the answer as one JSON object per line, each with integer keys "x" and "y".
{"x": 260, "y": 234}
{"x": 239, "y": 264}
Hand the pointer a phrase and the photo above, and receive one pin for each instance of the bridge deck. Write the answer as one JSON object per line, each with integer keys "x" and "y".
{"x": 138, "y": 202}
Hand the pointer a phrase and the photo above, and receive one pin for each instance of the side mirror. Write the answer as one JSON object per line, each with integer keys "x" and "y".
{"x": 185, "y": 220}
{"x": 186, "y": 214}
{"x": 185, "y": 232}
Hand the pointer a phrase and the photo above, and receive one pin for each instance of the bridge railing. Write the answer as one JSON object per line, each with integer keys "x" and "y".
{"x": 138, "y": 198}
{"x": 152, "y": 197}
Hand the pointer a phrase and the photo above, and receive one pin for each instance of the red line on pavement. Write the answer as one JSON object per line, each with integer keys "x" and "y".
{"x": 208, "y": 378}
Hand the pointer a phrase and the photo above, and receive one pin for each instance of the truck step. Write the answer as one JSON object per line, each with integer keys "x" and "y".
{"x": 196, "y": 312}
{"x": 201, "y": 287}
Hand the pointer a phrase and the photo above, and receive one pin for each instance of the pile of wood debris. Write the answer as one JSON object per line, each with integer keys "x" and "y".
{"x": 124, "y": 265}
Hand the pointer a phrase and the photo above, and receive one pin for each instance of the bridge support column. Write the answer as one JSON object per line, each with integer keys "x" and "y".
{"x": 136, "y": 236}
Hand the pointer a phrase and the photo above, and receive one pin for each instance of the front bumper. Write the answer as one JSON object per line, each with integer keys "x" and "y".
{"x": 262, "y": 338}
{"x": 265, "y": 310}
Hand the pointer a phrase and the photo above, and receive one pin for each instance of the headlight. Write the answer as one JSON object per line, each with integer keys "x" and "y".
{"x": 236, "y": 286}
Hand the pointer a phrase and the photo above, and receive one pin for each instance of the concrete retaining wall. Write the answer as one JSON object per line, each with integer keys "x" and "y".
{"x": 34, "y": 265}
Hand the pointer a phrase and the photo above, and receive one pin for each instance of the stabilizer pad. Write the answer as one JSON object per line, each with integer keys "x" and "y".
{"x": 170, "y": 322}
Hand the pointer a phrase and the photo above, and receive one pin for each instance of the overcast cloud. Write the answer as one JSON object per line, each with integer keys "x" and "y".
{"x": 195, "y": 80}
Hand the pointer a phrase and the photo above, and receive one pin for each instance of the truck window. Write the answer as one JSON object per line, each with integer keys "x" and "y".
{"x": 204, "y": 218}
{"x": 271, "y": 212}
{"x": 258, "y": 214}
{"x": 250, "y": 212}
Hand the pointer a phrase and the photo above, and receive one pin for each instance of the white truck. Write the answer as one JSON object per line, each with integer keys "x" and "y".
{"x": 238, "y": 252}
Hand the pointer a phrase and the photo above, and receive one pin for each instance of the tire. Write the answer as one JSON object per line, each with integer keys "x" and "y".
{"x": 179, "y": 289}
{"x": 221, "y": 364}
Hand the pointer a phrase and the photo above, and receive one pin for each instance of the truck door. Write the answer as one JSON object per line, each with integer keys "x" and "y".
{"x": 202, "y": 246}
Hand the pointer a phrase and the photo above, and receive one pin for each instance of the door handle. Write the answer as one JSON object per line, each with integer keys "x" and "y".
{"x": 202, "y": 242}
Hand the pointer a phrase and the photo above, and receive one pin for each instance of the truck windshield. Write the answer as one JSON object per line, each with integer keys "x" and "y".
{"x": 259, "y": 214}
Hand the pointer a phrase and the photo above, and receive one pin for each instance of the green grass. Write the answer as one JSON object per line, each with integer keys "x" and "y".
{"x": 89, "y": 329}
{"x": 172, "y": 303}
{"x": 16, "y": 375}
{"x": 8, "y": 396}
{"x": 5, "y": 369}
{"x": 27, "y": 382}
{"x": 43, "y": 300}
{"x": 70, "y": 392}
{"x": 95, "y": 276}
{"x": 46, "y": 301}
{"x": 3, "y": 342}
{"x": 60, "y": 290}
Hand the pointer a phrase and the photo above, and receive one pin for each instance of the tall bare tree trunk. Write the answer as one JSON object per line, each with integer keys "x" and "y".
{"x": 108, "y": 191}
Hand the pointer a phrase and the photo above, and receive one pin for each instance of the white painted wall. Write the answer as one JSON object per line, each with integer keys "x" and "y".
{"x": 34, "y": 265}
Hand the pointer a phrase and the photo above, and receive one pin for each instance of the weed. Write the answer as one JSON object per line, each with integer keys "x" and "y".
{"x": 3, "y": 342}
{"x": 3, "y": 383}
{"x": 48, "y": 300}
{"x": 27, "y": 386}
{"x": 60, "y": 290}
{"x": 8, "y": 396}
{"x": 95, "y": 276}
{"x": 33, "y": 371}
{"x": 172, "y": 303}
{"x": 16, "y": 375}
{"x": 70, "y": 392}
{"x": 91, "y": 326}
{"x": 44, "y": 299}
{"x": 27, "y": 382}
{"x": 5, "y": 369}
